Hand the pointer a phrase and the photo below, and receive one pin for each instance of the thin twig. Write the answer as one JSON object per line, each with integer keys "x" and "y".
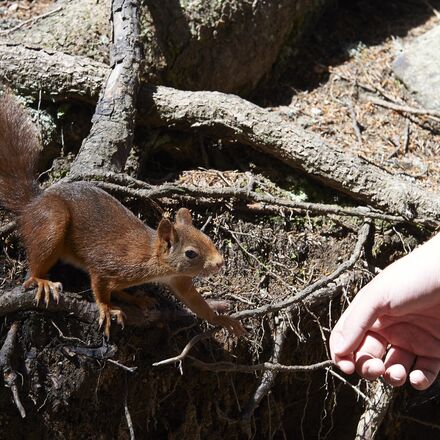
{"x": 128, "y": 418}
{"x": 124, "y": 367}
{"x": 187, "y": 348}
{"x": 31, "y": 20}
{"x": 355, "y": 123}
{"x": 406, "y": 136}
{"x": 433, "y": 114}
{"x": 67, "y": 338}
{"x": 229, "y": 367}
{"x": 346, "y": 382}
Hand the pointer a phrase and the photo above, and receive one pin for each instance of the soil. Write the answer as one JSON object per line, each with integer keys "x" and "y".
{"x": 68, "y": 395}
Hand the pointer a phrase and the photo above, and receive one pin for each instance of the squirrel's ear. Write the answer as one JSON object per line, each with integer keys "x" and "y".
{"x": 183, "y": 217}
{"x": 167, "y": 232}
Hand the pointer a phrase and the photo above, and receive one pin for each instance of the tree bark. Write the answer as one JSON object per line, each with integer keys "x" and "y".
{"x": 224, "y": 45}
{"x": 59, "y": 76}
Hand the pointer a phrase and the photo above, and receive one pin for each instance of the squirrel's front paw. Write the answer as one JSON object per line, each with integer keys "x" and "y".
{"x": 44, "y": 285}
{"x": 232, "y": 325}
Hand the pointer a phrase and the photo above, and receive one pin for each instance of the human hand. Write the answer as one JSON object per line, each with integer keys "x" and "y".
{"x": 392, "y": 326}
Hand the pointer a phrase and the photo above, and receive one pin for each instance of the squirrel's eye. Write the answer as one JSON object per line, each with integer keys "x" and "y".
{"x": 191, "y": 254}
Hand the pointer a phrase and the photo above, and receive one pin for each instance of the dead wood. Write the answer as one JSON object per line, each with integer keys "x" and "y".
{"x": 227, "y": 117}
{"x": 110, "y": 139}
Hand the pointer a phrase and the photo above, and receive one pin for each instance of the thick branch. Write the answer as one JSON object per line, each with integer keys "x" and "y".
{"x": 227, "y": 117}
{"x": 110, "y": 139}
{"x": 17, "y": 300}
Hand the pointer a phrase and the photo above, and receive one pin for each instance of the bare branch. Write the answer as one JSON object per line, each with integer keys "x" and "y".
{"x": 30, "y": 21}
{"x": 229, "y": 367}
{"x": 17, "y": 300}
{"x": 346, "y": 382}
{"x": 433, "y": 114}
{"x": 187, "y": 348}
{"x": 129, "y": 420}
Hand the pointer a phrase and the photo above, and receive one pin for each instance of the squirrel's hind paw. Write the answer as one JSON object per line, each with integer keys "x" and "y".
{"x": 106, "y": 312}
{"x": 46, "y": 286}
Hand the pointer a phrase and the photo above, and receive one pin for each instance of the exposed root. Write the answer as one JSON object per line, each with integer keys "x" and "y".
{"x": 9, "y": 375}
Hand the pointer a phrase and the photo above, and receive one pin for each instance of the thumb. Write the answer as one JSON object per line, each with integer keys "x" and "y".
{"x": 357, "y": 319}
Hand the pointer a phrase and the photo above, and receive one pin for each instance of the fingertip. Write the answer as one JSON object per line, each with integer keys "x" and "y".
{"x": 421, "y": 380}
{"x": 395, "y": 375}
{"x": 346, "y": 365}
{"x": 371, "y": 369}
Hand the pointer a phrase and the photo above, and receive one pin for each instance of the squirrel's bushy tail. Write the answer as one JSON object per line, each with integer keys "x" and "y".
{"x": 19, "y": 150}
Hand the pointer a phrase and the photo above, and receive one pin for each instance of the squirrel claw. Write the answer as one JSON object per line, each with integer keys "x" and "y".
{"x": 232, "y": 325}
{"x": 106, "y": 312}
{"x": 47, "y": 286}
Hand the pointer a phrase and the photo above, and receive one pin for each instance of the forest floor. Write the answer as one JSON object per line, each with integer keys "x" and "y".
{"x": 325, "y": 87}
{"x": 347, "y": 59}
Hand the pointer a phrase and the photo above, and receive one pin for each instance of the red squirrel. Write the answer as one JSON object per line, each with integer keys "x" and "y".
{"x": 83, "y": 225}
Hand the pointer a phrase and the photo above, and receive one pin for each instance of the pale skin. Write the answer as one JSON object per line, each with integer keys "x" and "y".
{"x": 392, "y": 326}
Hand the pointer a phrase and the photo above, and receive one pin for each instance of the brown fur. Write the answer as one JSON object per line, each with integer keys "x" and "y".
{"x": 83, "y": 225}
{"x": 19, "y": 150}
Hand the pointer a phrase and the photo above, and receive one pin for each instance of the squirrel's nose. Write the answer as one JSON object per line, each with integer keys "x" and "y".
{"x": 219, "y": 262}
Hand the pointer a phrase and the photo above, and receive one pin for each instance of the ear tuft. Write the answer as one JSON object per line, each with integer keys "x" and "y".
{"x": 183, "y": 217}
{"x": 166, "y": 231}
